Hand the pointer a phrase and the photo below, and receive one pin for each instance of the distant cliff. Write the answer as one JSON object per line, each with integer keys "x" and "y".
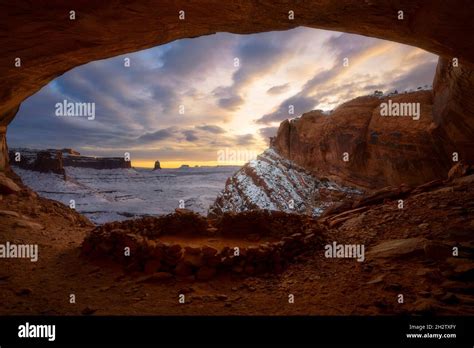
{"x": 52, "y": 160}
{"x": 355, "y": 145}
{"x": 96, "y": 162}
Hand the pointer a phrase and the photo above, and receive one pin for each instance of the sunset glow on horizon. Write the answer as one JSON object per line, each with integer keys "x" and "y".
{"x": 182, "y": 102}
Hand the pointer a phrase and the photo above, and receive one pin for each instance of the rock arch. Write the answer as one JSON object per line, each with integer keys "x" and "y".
{"x": 49, "y": 43}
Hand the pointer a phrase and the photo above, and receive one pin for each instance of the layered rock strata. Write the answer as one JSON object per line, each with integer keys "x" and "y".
{"x": 274, "y": 183}
{"x": 355, "y": 144}
{"x": 55, "y": 160}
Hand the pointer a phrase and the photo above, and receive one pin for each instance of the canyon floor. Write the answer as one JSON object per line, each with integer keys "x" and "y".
{"x": 117, "y": 194}
{"x": 408, "y": 252}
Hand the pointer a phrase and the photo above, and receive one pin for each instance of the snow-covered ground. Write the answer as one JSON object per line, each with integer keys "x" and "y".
{"x": 118, "y": 194}
{"x": 275, "y": 183}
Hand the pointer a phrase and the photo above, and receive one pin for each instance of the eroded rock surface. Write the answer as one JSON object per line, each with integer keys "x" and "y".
{"x": 275, "y": 183}
{"x": 380, "y": 151}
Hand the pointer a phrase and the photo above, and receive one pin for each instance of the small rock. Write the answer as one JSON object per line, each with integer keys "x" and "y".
{"x": 376, "y": 280}
{"x": 209, "y": 251}
{"x": 88, "y": 311}
{"x": 424, "y": 306}
{"x": 450, "y": 298}
{"x": 174, "y": 249}
{"x": 192, "y": 250}
{"x": 29, "y": 224}
{"x": 398, "y": 248}
{"x": 193, "y": 260}
{"x": 425, "y": 294}
{"x": 462, "y": 268}
{"x": 155, "y": 278}
{"x": 9, "y": 213}
{"x": 458, "y": 170}
{"x": 211, "y": 230}
{"x": 7, "y": 185}
{"x": 422, "y": 272}
{"x": 24, "y": 292}
{"x": 186, "y": 290}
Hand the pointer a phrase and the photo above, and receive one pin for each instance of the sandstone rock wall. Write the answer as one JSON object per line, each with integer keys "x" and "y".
{"x": 381, "y": 150}
{"x": 96, "y": 162}
{"x": 3, "y": 148}
{"x": 38, "y": 160}
{"x": 453, "y": 109}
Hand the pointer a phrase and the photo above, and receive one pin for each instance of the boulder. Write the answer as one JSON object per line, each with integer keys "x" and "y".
{"x": 155, "y": 278}
{"x": 193, "y": 260}
{"x": 9, "y": 213}
{"x": 398, "y": 248}
{"x": 460, "y": 169}
{"x": 29, "y": 225}
{"x": 209, "y": 251}
{"x": 7, "y": 185}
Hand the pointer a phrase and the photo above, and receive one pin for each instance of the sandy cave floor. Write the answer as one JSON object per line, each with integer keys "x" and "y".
{"x": 320, "y": 286}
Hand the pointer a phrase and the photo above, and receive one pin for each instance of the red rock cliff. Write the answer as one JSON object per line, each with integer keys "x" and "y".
{"x": 381, "y": 150}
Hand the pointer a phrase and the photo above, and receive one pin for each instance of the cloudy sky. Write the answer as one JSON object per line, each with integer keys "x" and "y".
{"x": 234, "y": 91}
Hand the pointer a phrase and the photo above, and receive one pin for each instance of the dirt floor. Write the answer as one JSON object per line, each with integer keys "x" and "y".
{"x": 420, "y": 266}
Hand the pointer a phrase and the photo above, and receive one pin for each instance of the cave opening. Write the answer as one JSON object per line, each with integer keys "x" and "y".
{"x": 418, "y": 222}
{"x": 195, "y": 111}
